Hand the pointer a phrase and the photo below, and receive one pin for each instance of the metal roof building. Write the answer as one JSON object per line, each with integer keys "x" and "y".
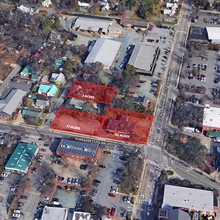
{"x": 104, "y": 51}
{"x": 78, "y": 150}
{"x": 21, "y": 158}
{"x": 92, "y": 24}
{"x": 213, "y": 34}
{"x": 11, "y": 102}
{"x": 144, "y": 58}
{"x": 189, "y": 198}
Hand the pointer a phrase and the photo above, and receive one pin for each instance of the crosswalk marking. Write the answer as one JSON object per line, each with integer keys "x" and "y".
{"x": 154, "y": 163}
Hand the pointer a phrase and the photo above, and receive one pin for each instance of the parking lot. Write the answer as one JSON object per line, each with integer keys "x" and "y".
{"x": 6, "y": 195}
{"x": 203, "y": 72}
{"x": 106, "y": 176}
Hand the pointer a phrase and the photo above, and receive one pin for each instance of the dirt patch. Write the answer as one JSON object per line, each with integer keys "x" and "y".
{"x": 5, "y": 69}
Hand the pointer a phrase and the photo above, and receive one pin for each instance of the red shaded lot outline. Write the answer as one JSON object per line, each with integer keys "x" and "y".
{"x": 77, "y": 122}
{"x": 117, "y": 124}
{"x": 127, "y": 126}
{"x": 92, "y": 92}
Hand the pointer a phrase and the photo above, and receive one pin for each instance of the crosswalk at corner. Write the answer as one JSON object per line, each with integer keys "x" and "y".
{"x": 154, "y": 164}
{"x": 154, "y": 146}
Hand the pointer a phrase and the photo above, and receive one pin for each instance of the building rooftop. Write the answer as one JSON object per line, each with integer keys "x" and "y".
{"x": 21, "y": 157}
{"x": 9, "y": 104}
{"x": 121, "y": 125}
{"x": 47, "y": 89}
{"x": 143, "y": 57}
{"x": 183, "y": 197}
{"x": 52, "y": 213}
{"x": 211, "y": 117}
{"x": 77, "y": 148}
{"x": 178, "y": 214}
{"x": 31, "y": 113}
{"x": 104, "y": 51}
{"x": 92, "y": 24}
{"x": 81, "y": 216}
{"x": 213, "y": 33}
{"x": 133, "y": 22}
{"x": 27, "y": 70}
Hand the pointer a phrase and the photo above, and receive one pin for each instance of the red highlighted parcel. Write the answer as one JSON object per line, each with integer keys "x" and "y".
{"x": 117, "y": 124}
{"x": 92, "y": 92}
{"x": 127, "y": 126}
{"x": 77, "y": 122}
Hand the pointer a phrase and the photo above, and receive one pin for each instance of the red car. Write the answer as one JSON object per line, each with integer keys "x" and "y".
{"x": 112, "y": 211}
{"x": 109, "y": 211}
{"x": 111, "y": 195}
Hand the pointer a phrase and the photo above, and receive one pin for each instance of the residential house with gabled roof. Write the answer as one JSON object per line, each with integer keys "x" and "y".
{"x": 47, "y": 90}
{"x": 41, "y": 103}
{"x": 31, "y": 113}
{"x": 27, "y": 71}
{"x": 58, "y": 78}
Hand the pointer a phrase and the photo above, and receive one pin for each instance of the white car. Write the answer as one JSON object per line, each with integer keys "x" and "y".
{"x": 45, "y": 198}
{"x": 17, "y": 211}
{"x": 217, "y": 139}
{"x": 17, "y": 215}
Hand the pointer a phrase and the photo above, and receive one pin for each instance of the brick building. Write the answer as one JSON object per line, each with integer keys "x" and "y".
{"x": 77, "y": 150}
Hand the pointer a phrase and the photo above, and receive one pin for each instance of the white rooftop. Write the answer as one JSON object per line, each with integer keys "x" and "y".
{"x": 52, "y": 213}
{"x": 211, "y": 117}
{"x": 213, "y": 33}
{"x": 81, "y": 216}
{"x": 142, "y": 57}
{"x": 104, "y": 51}
{"x": 196, "y": 199}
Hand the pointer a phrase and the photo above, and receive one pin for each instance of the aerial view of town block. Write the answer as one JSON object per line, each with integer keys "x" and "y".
{"x": 109, "y": 109}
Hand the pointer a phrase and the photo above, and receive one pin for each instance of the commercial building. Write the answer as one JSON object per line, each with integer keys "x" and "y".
{"x": 51, "y": 213}
{"x": 21, "y": 158}
{"x": 78, "y": 150}
{"x": 96, "y": 25}
{"x": 81, "y": 216}
{"x": 144, "y": 59}
{"x": 211, "y": 119}
{"x": 188, "y": 198}
{"x": 104, "y": 51}
{"x": 213, "y": 34}
{"x": 11, "y": 102}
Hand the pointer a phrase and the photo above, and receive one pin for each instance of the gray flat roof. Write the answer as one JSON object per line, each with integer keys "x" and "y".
{"x": 92, "y": 24}
{"x": 143, "y": 57}
{"x": 196, "y": 199}
{"x": 77, "y": 148}
{"x": 12, "y": 101}
{"x": 52, "y": 213}
{"x": 104, "y": 51}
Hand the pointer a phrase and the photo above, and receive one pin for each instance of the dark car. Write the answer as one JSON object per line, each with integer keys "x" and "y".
{"x": 2, "y": 178}
{"x": 123, "y": 158}
{"x": 24, "y": 197}
{"x": 96, "y": 181}
{"x": 83, "y": 167}
{"x": 102, "y": 166}
{"x": 55, "y": 200}
{"x": 116, "y": 181}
